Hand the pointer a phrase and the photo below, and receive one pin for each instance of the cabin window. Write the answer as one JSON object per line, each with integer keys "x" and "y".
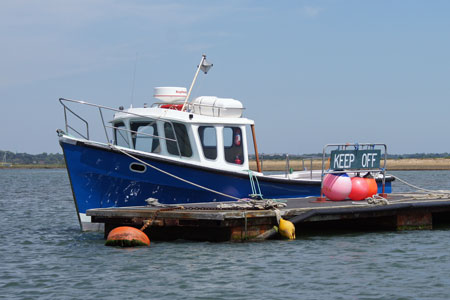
{"x": 145, "y": 136}
{"x": 209, "y": 141}
{"x": 232, "y": 141}
{"x": 121, "y": 135}
{"x": 181, "y": 136}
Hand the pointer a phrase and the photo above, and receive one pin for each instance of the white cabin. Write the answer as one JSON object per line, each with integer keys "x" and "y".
{"x": 210, "y": 133}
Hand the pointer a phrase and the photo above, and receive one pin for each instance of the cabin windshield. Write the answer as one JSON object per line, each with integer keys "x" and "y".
{"x": 181, "y": 135}
{"x": 145, "y": 136}
{"x": 121, "y": 135}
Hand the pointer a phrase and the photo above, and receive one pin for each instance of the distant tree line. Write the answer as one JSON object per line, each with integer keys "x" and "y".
{"x": 319, "y": 155}
{"x": 32, "y": 159}
{"x": 58, "y": 159}
{"x": 420, "y": 155}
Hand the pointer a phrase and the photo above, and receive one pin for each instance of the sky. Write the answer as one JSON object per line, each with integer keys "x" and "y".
{"x": 309, "y": 73}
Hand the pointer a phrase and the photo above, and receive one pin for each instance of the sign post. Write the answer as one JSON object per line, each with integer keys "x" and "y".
{"x": 354, "y": 158}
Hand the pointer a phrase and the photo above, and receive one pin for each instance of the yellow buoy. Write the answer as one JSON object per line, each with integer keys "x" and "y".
{"x": 287, "y": 229}
{"x": 126, "y": 236}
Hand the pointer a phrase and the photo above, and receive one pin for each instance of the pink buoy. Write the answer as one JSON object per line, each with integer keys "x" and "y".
{"x": 337, "y": 187}
{"x": 360, "y": 189}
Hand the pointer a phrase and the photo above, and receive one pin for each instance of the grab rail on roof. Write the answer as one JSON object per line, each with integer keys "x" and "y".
{"x": 101, "y": 108}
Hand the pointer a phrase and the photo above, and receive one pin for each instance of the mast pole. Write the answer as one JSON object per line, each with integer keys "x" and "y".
{"x": 258, "y": 164}
{"x": 193, "y": 82}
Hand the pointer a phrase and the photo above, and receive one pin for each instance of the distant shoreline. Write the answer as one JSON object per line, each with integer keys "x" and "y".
{"x": 405, "y": 164}
{"x": 33, "y": 166}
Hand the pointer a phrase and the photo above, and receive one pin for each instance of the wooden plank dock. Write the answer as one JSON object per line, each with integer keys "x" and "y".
{"x": 206, "y": 222}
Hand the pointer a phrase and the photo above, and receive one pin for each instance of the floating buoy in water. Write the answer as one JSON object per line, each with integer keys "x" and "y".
{"x": 373, "y": 187}
{"x": 287, "y": 229}
{"x": 126, "y": 236}
{"x": 360, "y": 189}
{"x": 337, "y": 187}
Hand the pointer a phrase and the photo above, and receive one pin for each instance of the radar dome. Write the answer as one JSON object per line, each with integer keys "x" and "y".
{"x": 170, "y": 94}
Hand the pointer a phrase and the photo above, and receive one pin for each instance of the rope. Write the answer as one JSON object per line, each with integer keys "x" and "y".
{"x": 253, "y": 204}
{"x": 374, "y": 200}
{"x": 278, "y": 215}
{"x": 155, "y": 203}
{"x": 254, "y": 183}
{"x": 267, "y": 204}
{"x": 419, "y": 188}
{"x": 432, "y": 194}
{"x": 172, "y": 175}
{"x": 147, "y": 223}
{"x": 377, "y": 200}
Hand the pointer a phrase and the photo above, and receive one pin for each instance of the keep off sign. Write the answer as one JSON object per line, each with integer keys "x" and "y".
{"x": 355, "y": 159}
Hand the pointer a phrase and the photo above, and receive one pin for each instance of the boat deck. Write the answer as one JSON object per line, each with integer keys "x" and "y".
{"x": 207, "y": 222}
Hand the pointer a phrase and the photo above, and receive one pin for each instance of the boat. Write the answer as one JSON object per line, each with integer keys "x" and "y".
{"x": 172, "y": 152}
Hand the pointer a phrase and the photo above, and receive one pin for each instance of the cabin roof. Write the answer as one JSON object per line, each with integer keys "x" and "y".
{"x": 176, "y": 115}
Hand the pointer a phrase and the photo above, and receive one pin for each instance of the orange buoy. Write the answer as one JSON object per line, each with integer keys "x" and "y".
{"x": 373, "y": 187}
{"x": 359, "y": 190}
{"x": 126, "y": 236}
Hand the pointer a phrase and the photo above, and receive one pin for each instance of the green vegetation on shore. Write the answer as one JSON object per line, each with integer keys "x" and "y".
{"x": 25, "y": 160}
{"x": 391, "y": 164}
{"x": 271, "y": 162}
{"x": 319, "y": 155}
{"x": 32, "y": 166}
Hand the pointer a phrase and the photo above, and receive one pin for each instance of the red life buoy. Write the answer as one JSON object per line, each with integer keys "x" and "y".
{"x": 172, "y": 106}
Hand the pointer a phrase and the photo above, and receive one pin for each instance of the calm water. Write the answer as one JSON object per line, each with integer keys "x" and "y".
{"x": 44, "y": 256}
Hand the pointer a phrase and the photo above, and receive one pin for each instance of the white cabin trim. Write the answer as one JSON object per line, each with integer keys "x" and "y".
{"x": 192, "y": 122}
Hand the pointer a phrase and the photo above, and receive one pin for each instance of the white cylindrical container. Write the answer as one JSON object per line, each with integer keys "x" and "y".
{"x": 170, "y": 94}
{"x": 217, "y": 107}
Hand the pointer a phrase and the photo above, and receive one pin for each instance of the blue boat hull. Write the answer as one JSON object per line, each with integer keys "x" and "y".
{"x": 101, "y": 177}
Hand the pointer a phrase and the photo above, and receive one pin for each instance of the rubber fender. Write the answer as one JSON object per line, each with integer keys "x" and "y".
{"x": 287, "y": 229}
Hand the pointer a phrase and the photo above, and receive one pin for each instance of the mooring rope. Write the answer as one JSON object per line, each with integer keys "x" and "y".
{"x": 373, "y": 200}
{"x": 242, "y": 203}
{"x": 419, "y": 188}
{"x": 254, "y": 183}
{"x": 172, "y": 175}
{"x": 253, "y": 204}
{"x": 376, "y": 201}
{"x": 431, "y": 194}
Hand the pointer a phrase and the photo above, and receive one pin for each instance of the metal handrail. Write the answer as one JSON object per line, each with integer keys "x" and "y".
{"x": 66, "y": 108}
{"x": 100, "y": 108}
{"x": 288, "y": 163}
{"x": 141, "y": 133}
{"x": 191, "y": 105}
{"x": 302, "y": 158}
{"x": 311, "y": 158}
{"x": 104, "y": 107}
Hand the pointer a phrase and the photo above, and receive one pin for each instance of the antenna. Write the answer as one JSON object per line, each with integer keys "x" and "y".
{"x": 134, "y": 79}
{"x": 204, "y": 66}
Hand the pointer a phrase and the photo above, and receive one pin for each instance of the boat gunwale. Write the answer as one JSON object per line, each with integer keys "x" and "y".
{"x": 151, "y": 156}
